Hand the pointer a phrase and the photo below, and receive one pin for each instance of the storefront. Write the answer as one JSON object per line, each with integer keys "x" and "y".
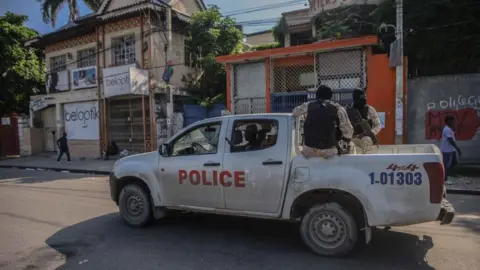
{"x": 128, "y": 114}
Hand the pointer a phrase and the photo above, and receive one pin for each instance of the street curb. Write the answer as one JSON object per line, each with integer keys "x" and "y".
{"x": 55, "y": 169}
{"x": 463, "y": 191}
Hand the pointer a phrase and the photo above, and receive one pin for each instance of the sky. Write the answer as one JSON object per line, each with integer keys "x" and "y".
{"x": 31, "y": 8}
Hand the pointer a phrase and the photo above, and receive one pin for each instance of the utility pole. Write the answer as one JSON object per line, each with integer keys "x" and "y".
{"x": 399, "y": 117}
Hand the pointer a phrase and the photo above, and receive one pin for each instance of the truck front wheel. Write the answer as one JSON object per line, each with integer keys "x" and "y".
{"x": 329, "y": 230}
{"x": 135, "y": 206}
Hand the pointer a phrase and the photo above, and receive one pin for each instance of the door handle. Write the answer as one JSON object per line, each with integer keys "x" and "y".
{"x": 272, "y": 162}
{"x": 211, "y": 164}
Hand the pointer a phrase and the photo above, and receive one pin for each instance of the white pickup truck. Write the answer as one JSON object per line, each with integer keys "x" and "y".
{"x": 250, "y": 165}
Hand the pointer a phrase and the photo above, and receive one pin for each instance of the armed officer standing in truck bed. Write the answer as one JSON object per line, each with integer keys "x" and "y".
{"x": 363, "y": 138}
{"x": 326, "y": 123}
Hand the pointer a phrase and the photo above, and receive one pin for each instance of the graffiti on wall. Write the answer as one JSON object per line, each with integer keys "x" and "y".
{"x": 456, "y": 103}
{"x": 465, "y": 110}
{"x": 467, "y": 122}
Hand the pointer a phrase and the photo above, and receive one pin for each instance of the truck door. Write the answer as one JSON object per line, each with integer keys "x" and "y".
{"x": 186, "y": 174}
{"x": 259, "y": 151}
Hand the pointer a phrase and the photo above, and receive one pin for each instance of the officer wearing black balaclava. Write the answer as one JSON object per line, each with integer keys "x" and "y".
{"x": 325, "y": 119}
{"x": 368, "y": 113}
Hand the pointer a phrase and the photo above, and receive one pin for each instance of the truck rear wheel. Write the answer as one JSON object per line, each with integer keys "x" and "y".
{"x": 135, "y": 206}
{"x": 329, "y": 230}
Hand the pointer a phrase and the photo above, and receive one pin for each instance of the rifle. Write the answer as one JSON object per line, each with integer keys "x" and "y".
{"x": 358, "y": 122}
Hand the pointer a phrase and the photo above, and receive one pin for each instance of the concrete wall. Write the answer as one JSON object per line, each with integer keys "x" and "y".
{"x": 430, "y": 99}
{"x": 177, "y": 57}
{"x": 84, "y": 148}
{"x": 261, "y": 38}
{"x": 186, "y": 6}
{"x": 30, "y": 139}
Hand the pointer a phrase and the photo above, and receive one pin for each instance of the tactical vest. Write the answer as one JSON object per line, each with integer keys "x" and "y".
{"x": 354, "y": 114}
{"x": 320, "y": 127}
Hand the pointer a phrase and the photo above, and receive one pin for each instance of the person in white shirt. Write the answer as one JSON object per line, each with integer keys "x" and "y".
{"x": 448, "y": 146}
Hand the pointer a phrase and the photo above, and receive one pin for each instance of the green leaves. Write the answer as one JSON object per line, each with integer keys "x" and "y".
{"x": 50, "y": 9}
{"x": 210, "y": 36}
{"x": 22, "y": 70}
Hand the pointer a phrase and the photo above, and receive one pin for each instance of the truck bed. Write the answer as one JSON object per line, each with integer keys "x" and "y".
{"x": 406, "y": 149}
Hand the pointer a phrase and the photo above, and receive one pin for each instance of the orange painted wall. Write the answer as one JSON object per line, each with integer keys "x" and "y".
{"x": 381, "y": 93}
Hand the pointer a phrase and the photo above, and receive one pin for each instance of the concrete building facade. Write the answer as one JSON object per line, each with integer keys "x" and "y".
{"x": 105, "y": 76}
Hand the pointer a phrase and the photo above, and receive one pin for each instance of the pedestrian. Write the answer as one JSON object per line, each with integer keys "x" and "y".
{"x": 62, "y": 144}
{"x": 448, "y": 146}
{"x": 326, "y": 123}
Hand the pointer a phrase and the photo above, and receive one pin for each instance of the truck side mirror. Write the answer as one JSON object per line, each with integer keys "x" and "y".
{"x": 164, "y": 150}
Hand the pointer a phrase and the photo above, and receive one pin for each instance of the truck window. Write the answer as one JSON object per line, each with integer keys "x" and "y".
{"x": 198, "y": 141}
{"x": 253, "y": 135}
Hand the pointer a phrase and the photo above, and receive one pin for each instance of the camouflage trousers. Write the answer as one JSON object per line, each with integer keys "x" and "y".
{"x": 363, "y": 145}
{"x": 314, "y": 152}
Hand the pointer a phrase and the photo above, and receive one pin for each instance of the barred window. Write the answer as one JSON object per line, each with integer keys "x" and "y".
{"x": 86, "y": 58}
{"x": 58, "y": 63}
{"x": 123, "y": 50}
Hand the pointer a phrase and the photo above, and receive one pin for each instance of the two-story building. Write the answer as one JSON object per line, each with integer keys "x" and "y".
{"x": 301, "y": 25}
{"x": 104, "y": 76}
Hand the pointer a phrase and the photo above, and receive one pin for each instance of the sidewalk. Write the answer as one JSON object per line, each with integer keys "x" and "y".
{"x": 47, "y": 161}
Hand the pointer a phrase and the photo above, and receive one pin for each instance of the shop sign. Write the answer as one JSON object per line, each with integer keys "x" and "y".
{"x": 81, "y": 120}
{"x": 125, "y": 80}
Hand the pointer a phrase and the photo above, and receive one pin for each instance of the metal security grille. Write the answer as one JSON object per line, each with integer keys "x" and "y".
{"x": 292, "y": 74}
{"x": 341, "y": 69}
{"x": 123, "y": 50}
{"x": 58, "y": 63}
{"x": 86, "y": 58}
{"x": 249, "y": 88}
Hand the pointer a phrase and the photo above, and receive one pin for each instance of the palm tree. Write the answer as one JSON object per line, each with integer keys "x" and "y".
{"x": 50, "y": 9}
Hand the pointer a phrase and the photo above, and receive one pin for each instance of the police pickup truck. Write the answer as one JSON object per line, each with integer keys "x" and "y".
{"x": 250, "y": 165}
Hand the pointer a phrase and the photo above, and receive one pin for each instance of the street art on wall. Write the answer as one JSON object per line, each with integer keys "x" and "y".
{"x": 465, "y": 110}
{"x": 431, "y": 99}
{"x": 467, "y": 122}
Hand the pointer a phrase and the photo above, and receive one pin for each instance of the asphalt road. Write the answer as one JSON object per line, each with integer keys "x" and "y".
{"x": 51, "y": 220}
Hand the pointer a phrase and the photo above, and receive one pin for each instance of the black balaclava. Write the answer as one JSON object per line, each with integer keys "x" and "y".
{"x": 359, "y": 99}
{"x": 324, "y": 92}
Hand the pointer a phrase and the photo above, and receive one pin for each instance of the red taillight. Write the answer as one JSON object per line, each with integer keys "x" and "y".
{"x": 436, "y": 177}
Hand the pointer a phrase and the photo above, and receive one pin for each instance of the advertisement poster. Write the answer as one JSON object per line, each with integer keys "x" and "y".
{"x": 84, "y": 77}
{"x": 57, "y": 81}
{"x": 81, "y": 120}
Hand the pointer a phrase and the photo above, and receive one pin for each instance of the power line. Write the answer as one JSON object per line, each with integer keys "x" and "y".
{"x": 260, "y": 8}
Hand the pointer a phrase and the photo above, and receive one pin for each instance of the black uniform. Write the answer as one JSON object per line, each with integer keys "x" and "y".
{"x": 320, "y": 128}
{"x": 62, "y": 144}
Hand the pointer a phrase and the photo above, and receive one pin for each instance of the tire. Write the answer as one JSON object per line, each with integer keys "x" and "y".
{"x": 135, "y": 206}
{"x": 332, "y": 219}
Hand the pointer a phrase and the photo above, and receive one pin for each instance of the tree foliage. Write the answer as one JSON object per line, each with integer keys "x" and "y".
{"x": 278, "y": 32}
{"x": 346, "y": 22}
{"x": 50, "y": 9}
{"x": 265, "y": 46}
{"x": 440, "y": 36}
{"x": 22, "y": 70}
{"x": 210, "y": 36}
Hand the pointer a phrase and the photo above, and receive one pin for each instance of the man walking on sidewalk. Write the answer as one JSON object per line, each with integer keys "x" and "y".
{"x": 448, "y": 146}
{"x": 62, "y": 144}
